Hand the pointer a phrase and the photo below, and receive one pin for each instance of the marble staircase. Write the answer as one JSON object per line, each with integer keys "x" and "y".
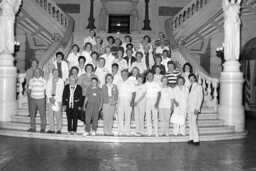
{"x": 136, "y": 38}
{"x": 210, "y": 128}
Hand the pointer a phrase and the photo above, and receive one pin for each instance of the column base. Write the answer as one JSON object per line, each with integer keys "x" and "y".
{"x": 231, "y": 109}
{"x": 8, "y": 88}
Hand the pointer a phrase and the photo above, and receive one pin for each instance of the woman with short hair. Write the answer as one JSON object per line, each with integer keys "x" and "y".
{"x": 109, "y": 91}
{"x": 180, "y": 93}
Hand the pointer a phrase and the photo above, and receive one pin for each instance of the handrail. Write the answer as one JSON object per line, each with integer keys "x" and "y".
{"x": 181, "y": 55}
{"x": 52, "y": 9}
{"x": 59, "y": 45}
{"x": 187, "y": 12}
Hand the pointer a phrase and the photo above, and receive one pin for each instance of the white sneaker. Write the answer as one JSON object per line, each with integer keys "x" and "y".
{"x": 85, "y": 134}
{"x": 69, "y": 133}
{"x": 93, "y": 133}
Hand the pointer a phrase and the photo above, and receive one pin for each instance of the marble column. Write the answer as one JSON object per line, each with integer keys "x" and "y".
{"x": 103, "y": 17}
{"x": 146, "y": 21}
{"x": 91, "y": 18}
{"x": 231, "y": 108}
{"x": 134, "y": 23}
{"x": 8, "y": 73}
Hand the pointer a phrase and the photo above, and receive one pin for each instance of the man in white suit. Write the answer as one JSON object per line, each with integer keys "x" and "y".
{"x": 195, "y": 99}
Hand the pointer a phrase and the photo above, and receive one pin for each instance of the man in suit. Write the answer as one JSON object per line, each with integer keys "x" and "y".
{"x": 195, "y": 99}
{"x": 130, "y": 59}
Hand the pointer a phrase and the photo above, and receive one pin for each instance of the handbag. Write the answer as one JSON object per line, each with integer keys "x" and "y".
{"x": 178, "y": 119}
{"x": 81, "y": 115}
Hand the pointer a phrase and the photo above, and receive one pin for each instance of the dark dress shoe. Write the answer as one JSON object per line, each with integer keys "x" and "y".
{"x": 42, "y": 131}
{"x": 31, "y": 130}
{"x": 196, "y": 143}
{"x": 190, "y": 142}
{"x": 50, "y": 132}
{"x": 58, "y": 132}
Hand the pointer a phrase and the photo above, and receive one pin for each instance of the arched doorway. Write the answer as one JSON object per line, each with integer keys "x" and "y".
{"x": 248, "y": 60}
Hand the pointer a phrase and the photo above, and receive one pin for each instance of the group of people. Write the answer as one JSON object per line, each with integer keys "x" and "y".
{"x": 121, "y": 82}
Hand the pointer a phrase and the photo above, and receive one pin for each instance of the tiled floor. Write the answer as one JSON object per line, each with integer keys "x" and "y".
{"x": 17, "y": 154}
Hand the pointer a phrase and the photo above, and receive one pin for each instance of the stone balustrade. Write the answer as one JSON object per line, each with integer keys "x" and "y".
{"x": 210, "y": 85}
{"x": 22, "y": 96}
{"x": 53, "y": 10}
{"x": 187, "y": 12}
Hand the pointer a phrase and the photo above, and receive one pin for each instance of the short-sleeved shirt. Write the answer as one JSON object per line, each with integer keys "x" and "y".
{"x": 166, "y": 97}
{"x": 72, "y": 59}
{"x": 94, "y": 95}
{"x": 101, "y": 74}
{"x": 140, "y": 90}
{"x": 37, "y": 87}
{"x": 153, "y": 88}
{"x": 172, "y": 77}
{"x": 141, "y": 66}
{"x": 125, "y": 89}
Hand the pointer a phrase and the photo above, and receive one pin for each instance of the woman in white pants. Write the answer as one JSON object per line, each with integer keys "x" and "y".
{"x": 153, "y": 96}
{"x": 165, "y": 107}
{"x": 180, "y": 93}
{"x": 139, "y": 104}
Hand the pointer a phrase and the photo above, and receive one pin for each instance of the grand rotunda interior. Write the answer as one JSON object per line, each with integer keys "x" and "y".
{"x": 216, "y": 37}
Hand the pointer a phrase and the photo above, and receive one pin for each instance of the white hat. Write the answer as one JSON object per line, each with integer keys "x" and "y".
{"x": 55, "y": 107}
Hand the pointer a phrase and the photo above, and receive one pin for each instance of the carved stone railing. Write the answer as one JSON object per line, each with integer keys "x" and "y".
{"x": 53, "y": 10}
{"x": 187, "y": 12}
{"x": 210, "y": 85}
{"x": 61, "y": 43}
{"x": 22, "y": 96}
{"x": 181, "y": 55}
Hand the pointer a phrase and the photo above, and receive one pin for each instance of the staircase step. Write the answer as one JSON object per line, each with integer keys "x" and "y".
{"x": 136, "y": 38}
{"x": 203, "y": 115}
{"x": 118, "y": 139}
{"x": 201, "y": 122}
{"x": 80, "y": 129}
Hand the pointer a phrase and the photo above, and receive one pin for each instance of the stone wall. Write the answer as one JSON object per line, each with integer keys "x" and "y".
{"x": 81, "y": 14}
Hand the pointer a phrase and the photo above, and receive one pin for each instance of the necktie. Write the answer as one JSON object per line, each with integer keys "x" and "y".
{"x": 190, "y": 88}
{"x": 147, "y": 59}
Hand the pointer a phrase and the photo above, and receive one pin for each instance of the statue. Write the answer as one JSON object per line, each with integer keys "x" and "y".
{"x": 231, "y": 9}
{"x": 103, "y": 19}
{"x": 8, "y": 9}
{"x": 134, "y": 20}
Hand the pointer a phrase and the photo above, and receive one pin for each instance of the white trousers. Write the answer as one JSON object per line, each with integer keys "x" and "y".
{"x": 164, "y": 116}
{"x": 179, "y": 129}
{"x": 124, "y": 113}
{"x": 151, "y": 113}
{"x": 193, "y": 128}
{"x": 139, "y": 112}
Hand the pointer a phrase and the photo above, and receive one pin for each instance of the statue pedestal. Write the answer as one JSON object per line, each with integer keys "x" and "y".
{"x": 8, "y": 87}
{"x": 231, "y": 109}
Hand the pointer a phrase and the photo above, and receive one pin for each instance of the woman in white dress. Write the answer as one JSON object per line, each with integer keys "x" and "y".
{"x": 73, "y": 56}
{"x": 178, "y": 118}
{"x": 81, "y": 66}
{"x": 122, "y": 63}
{"x": 157, "y": 75}
{"x": 187, "y": 69}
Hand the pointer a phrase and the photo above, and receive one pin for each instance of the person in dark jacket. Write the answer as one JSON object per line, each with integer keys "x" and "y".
{"x": 72, "y": 103}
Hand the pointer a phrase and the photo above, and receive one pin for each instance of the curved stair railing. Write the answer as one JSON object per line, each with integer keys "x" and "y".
{"x": 187, "y": 12}
{"x": 181, "y": 55}
{"x": 61, "y": 43}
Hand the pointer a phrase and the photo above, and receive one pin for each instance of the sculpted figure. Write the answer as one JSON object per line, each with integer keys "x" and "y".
{"x": 231, "y": 9}
{"x": 8, "y": 9}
